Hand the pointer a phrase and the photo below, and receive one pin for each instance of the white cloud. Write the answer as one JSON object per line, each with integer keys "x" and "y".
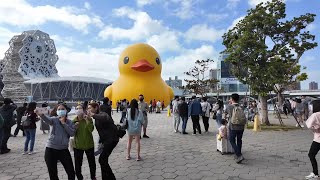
{"x": 235, "y": 22}
{"x": 141, "y": 3}
{"x": 177, "y": 65}
{"x": 231, "y": 4}
{"x": 143, "y": 26}
{"x": 167, "y": 41}
{"x": 202, "y": 32}
{"x": 94, "y": 62}
{"x": 185, "y": 10}
{"x": 311, "y": 27}
{"x": 21, "y": 13}
{"x": 87, "y": 5}
{"x": 217, "y": 17}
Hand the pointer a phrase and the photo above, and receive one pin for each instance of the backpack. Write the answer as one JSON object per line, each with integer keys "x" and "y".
{"x": 238, "y": 117}
{"x": 25, "y": 121}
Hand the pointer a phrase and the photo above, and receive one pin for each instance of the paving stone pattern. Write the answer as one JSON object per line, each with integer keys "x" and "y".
{"x": 167, "y": 155}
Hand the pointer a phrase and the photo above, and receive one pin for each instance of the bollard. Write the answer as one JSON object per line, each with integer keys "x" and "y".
{"x": 169, "y": 113}
{"x": 256, "y": 124}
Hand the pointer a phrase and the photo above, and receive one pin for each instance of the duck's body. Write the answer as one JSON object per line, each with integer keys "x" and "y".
{"x": 140, "y": 75}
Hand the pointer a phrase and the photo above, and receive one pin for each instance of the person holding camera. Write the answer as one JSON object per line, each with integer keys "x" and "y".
{"x": 83, "y": 143}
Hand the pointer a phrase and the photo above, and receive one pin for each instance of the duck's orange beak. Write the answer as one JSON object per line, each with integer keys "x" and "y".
{"x": 142, "y": 66}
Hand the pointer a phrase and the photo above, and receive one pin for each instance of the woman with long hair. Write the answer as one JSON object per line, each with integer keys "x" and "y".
{"x": 31, "y": 128}
{"x": 109, "y": 138}
{"x": 58, "y": 142}
{"x": 135, "y": 121}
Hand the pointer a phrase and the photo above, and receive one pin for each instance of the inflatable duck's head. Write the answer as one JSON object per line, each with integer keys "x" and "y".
{"x": 140, "y": 59}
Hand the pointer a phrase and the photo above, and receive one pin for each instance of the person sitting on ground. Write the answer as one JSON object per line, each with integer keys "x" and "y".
{"x": 135, "y": 121}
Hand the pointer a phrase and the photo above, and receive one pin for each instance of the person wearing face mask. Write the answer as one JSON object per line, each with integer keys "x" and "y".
{"x": 58, "y": 142}
{"x": 83, "y": 142}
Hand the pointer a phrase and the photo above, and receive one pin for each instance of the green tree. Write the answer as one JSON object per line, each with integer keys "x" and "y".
{"x": 265, "y": 48}
{"x": 200, "y": 82}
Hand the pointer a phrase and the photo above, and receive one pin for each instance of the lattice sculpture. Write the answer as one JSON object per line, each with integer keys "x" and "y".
{"x": 31, "y": 55}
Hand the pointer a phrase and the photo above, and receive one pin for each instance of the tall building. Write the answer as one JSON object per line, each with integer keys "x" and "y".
{"x": 313, "y": 85}
{"x": 174, "y": 83}
{"x": 213, "y": 74}
{"x": 228, "y": 82}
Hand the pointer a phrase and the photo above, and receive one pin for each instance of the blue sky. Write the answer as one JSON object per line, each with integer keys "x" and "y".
{"x": 90, "y": 34}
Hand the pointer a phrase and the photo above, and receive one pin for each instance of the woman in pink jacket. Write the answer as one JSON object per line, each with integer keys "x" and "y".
{"x": 313, "y": 123}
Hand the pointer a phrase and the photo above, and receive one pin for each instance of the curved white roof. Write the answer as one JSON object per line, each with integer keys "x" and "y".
{"x": 69, "y": 78}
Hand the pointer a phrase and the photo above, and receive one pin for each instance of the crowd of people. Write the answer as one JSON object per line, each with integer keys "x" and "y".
{"x": 230, "y": 123}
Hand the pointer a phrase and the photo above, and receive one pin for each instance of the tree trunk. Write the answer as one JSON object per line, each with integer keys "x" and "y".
{"x": 280, "y": 101}
{"x": 264, "y": 110}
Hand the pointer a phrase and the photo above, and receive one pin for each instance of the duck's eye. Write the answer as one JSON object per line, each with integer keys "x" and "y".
{"x": 158, "y": 61}
{"x": 126, "y": 60}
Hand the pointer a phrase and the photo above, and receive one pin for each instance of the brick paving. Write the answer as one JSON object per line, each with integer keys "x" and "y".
{"x": 167, "y": 155}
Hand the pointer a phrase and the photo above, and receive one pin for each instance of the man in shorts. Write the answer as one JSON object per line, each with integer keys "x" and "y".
{"x": 144, "y": 108}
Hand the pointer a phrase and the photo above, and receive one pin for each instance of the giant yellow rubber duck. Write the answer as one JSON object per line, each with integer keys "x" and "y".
{"x": 140, "y": 73}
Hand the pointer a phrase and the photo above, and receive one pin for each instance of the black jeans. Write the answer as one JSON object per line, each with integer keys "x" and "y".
{"x": 314, "y": 149}
{"x": 19, "y": 127}
{"x": 78, "y": 158}
{"x": 237, "y": 146}
{"x": 106, "y": 170}
{"x": 6, "y": 136}
{"x": 52, "y": 156}
{"x": 195, "y": 123}
{"x": 205, "y": 123}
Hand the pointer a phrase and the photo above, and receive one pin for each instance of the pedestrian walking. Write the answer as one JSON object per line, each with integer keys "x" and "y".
{"x": 30, "y": 128}
{"x": 205, "y": 106}
{"x": 313, "y": 123}
{"x": 175, "y": 112}
{"x": 83, "y": 143}
{"x": 237, "y": 121}
{"x": 135, "y": 121}
{"x": 183, "y": 113}
{"x": 58, "y": 142}
{"x": 143, "y": 107}
{"x": 194, "y": 110}
{"x": 299, "y": 112}
{"x": 218, "y": 110}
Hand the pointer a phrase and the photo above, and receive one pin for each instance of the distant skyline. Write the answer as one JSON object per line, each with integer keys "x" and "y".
{"x": 90, "y": 35}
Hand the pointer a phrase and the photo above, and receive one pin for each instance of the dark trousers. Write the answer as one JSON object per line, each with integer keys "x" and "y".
{"x": 78, "y": 158}
{"x": 123, "y": 116}
{"x": 237, "y": 146}
{"x": 52, "y": 156}
{"x": 314, "y": 149}
{"x": 18, "y": 128}
{"x": 106, "y": 170}
{"x": 5, "y": 137}
{"x": 184, "y": 123}
{"x": 196, "y": 124}
{"x": 205, "y": 123}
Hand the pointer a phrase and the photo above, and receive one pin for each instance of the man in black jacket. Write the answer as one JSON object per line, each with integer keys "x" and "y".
{"x": 183, "y": 113}
{"x": 6, "y": 112}
{"x": 20, "y": 112}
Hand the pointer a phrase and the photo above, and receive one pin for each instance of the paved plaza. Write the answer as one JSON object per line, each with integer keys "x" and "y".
{"x": 167, "y": 155}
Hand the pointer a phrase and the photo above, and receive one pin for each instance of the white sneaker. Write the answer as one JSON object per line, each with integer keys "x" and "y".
{"x": 175, "y": 131}
{"x": 297, "y": 125}
{"x": 302, "y": 126}
{"x": 31, "y": 152}
{"x": 24, "y": 153}
{"x": 312, "y": 176}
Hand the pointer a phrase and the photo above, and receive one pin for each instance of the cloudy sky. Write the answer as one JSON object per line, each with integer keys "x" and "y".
{"x": 90, "y": 34}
